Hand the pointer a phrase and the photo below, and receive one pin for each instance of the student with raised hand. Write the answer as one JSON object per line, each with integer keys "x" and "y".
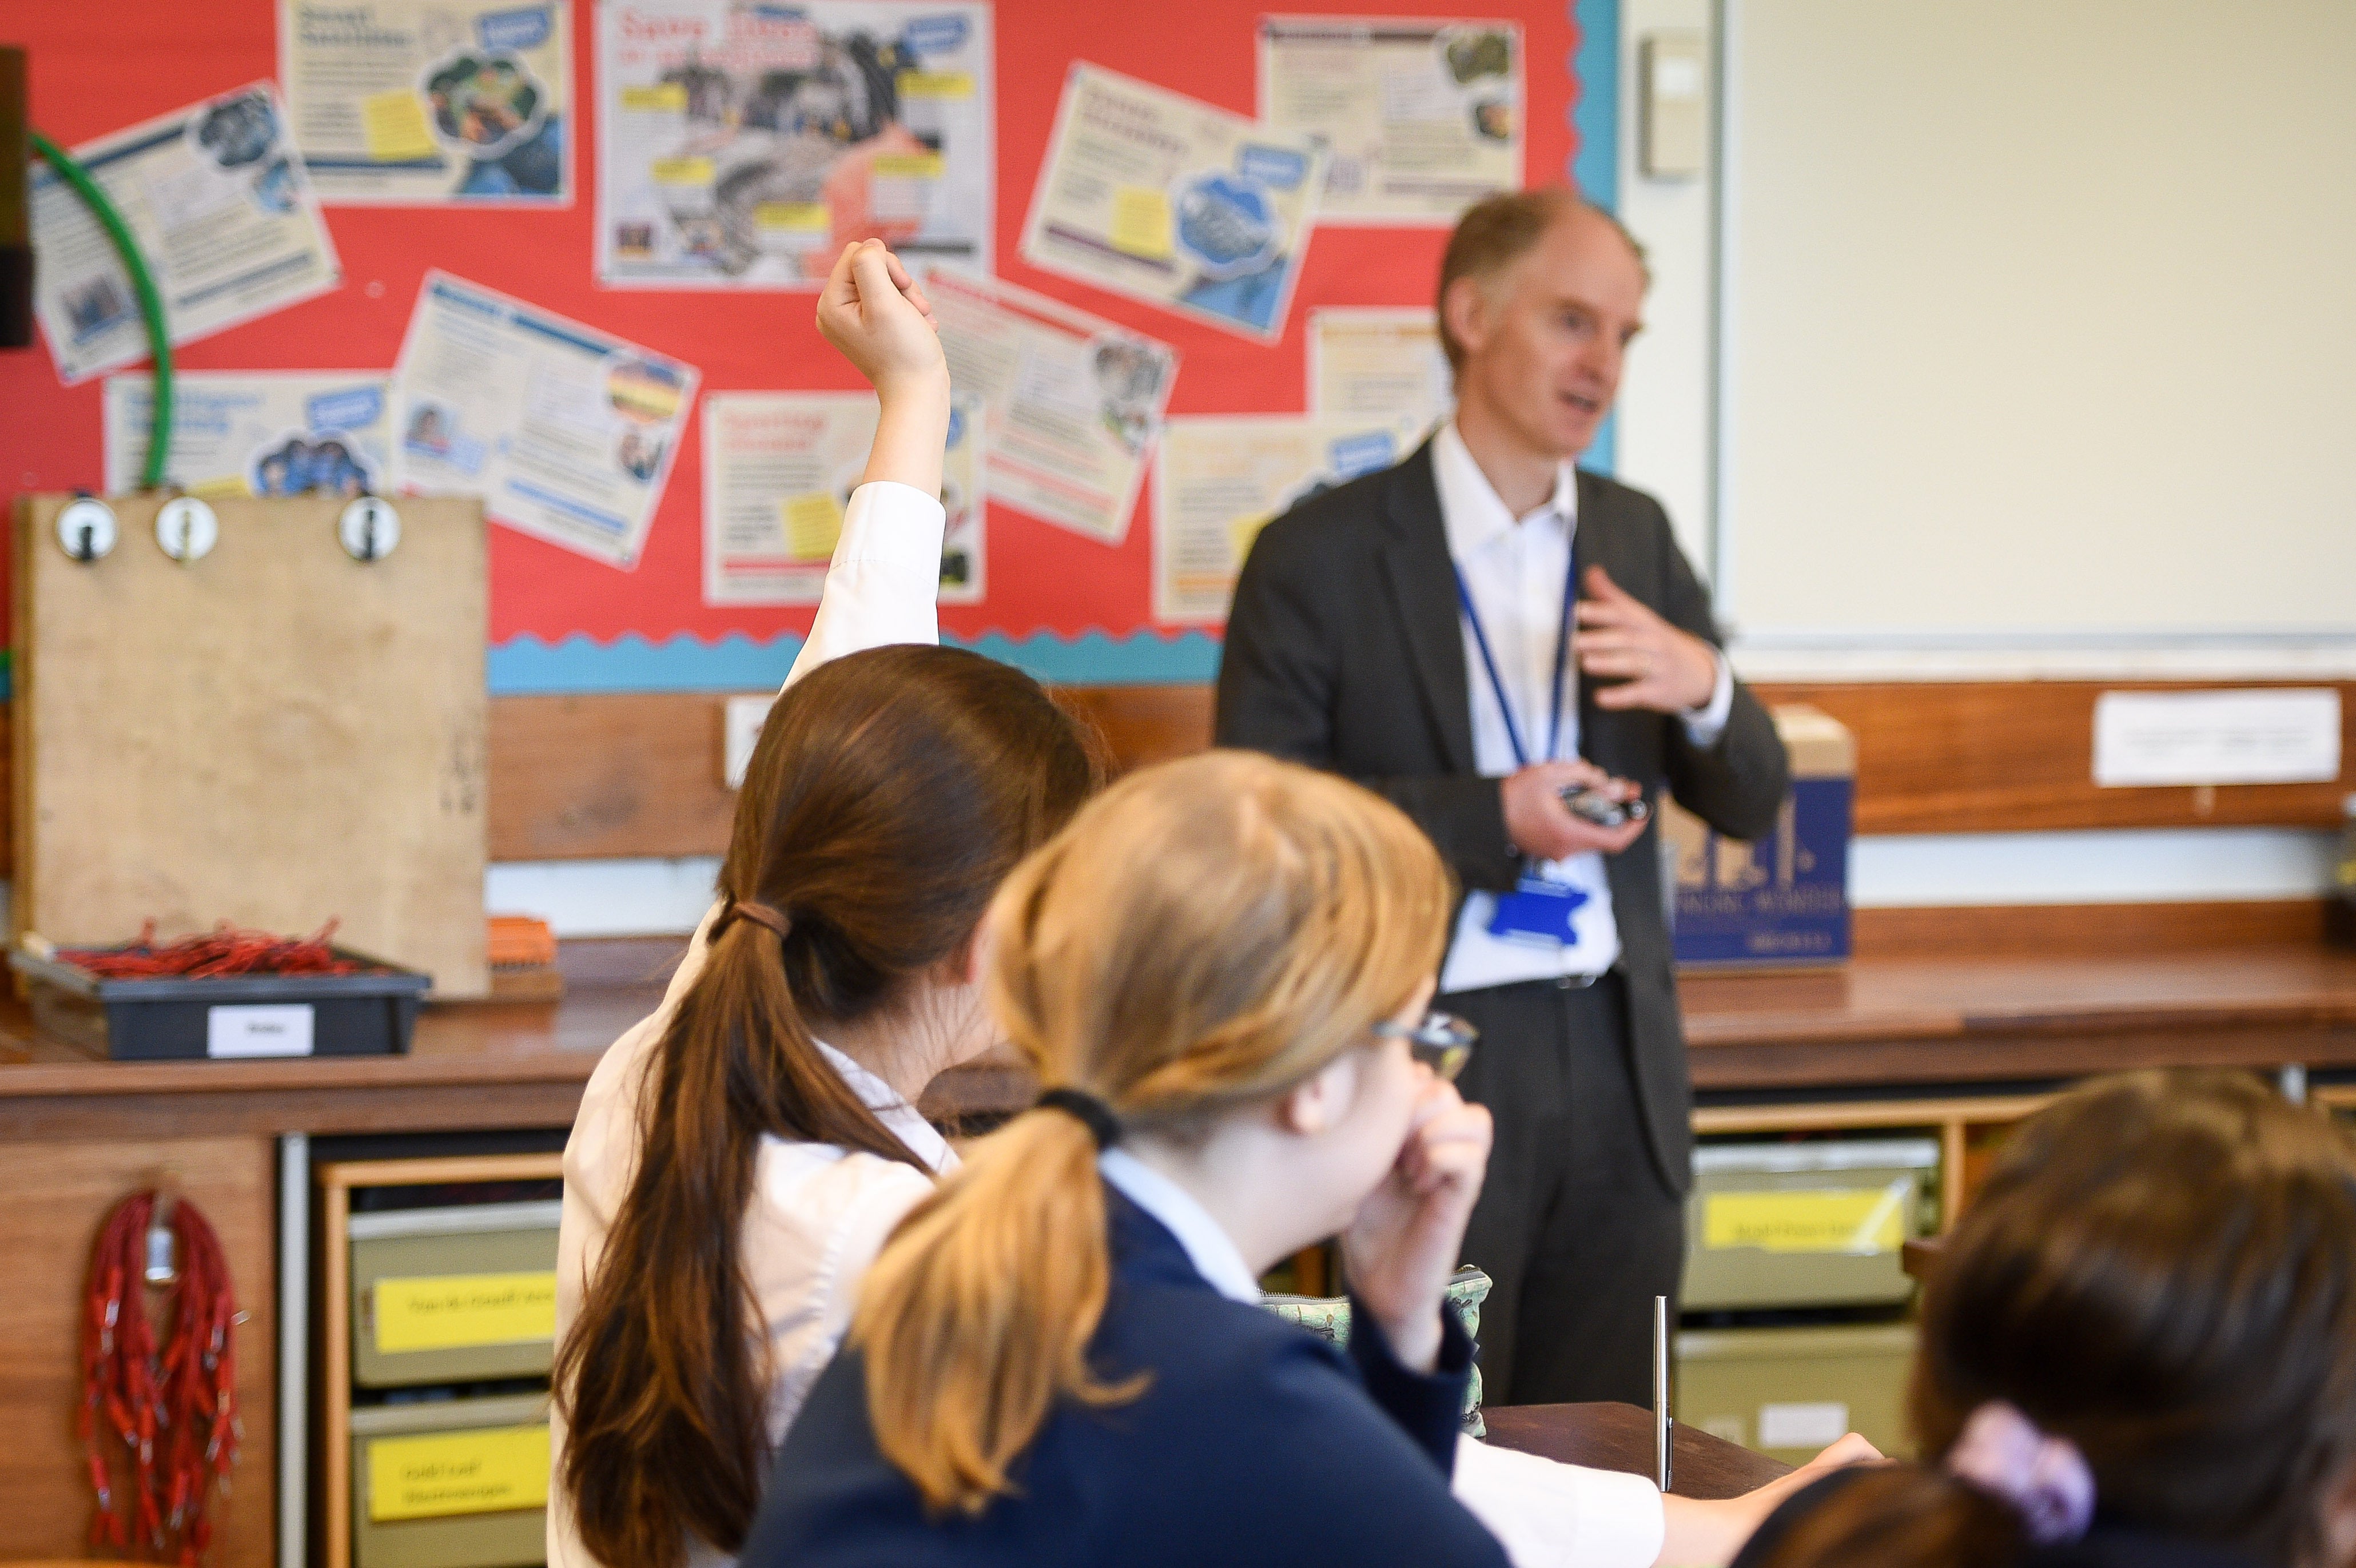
{"x": 740, "y": 1155}
{"x": 2138, "y": 1350}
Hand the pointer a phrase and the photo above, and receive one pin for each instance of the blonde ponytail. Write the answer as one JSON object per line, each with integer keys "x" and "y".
{"x": 1205, "y": 934}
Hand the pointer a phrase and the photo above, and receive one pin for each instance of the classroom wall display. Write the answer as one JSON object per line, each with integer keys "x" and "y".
{"x": 1068, "y": 604}
{"x": 743, "y": 145}
{"x": 421, "y": 102}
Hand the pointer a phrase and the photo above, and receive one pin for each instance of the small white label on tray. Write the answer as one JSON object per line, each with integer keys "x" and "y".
{"x": 260, "y": 1029}
{"x": 1808, "y": 1425}
{"x": 2288, "y": 736}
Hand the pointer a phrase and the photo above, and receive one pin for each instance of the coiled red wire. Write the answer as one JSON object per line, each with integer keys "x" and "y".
{"x": 162, "y": 1420}
{"x": 221, "y": 951}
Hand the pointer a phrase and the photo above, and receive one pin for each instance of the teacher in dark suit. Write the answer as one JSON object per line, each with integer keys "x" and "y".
{"x": 1469, "y": 633}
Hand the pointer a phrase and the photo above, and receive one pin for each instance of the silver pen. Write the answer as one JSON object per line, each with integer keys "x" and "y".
{"x": 1663, "y": 1425}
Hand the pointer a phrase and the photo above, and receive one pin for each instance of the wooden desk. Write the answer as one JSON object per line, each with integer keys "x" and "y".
{"x": 1610, "y": 1437}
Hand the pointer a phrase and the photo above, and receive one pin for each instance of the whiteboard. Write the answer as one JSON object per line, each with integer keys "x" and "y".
{"x": 2038, "y": 319}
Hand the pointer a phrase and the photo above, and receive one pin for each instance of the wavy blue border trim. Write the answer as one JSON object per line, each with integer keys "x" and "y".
{"x": 1595, "y": 168}
{"x": 526, "y": 666}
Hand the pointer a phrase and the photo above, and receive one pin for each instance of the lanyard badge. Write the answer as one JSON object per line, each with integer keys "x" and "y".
{"x": 1537, "y": 911}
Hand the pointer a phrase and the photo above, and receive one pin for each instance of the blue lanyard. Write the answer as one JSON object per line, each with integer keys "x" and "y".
{"x": 1489, "y": 660}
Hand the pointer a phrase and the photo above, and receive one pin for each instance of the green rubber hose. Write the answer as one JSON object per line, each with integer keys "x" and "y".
{"x": 151, "y": 302}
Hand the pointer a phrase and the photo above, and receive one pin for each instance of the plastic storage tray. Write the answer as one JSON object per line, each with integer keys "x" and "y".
{"x": 1812, "y": 1223}
{"x": 485, "y": 1275}
{"x": 453, "y": 1468}
{"x": 369, "y": 1014}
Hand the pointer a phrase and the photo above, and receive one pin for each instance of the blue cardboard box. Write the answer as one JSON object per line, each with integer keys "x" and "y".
{"x": 1782, "y": 902}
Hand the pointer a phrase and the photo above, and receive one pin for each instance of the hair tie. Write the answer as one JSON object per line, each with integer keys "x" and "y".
{"x": 2045, "y": 1478}
{"x": 759, "y": 914}
{"x": 1092, "y": 1113}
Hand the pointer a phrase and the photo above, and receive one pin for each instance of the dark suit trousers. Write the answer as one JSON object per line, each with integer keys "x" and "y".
{"x": 1574, "y": 1224}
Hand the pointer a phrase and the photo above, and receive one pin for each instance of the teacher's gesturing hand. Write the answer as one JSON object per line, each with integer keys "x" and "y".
{"x": 1652, "y": 664}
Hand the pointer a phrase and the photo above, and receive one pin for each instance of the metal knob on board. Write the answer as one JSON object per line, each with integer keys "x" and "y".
{"x": 187, "y": 528}
{"x": 86, "y": 529}
{"x": 369, "y": 528}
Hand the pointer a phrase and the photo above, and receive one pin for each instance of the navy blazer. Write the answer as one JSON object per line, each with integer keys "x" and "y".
{"x": 1256, "y": 1442}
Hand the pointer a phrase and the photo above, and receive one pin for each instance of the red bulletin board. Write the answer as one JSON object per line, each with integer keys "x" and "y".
{"x": 99, "y": 65}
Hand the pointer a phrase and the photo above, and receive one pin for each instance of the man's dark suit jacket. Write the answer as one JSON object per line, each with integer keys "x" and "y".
{"x": 1345, "y": 651}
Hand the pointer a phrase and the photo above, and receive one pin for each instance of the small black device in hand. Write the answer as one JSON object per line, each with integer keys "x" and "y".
{"x": 1589, "y": 804}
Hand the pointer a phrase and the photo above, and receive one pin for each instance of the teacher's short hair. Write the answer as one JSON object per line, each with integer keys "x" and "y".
{"x": 1496, "y": 231}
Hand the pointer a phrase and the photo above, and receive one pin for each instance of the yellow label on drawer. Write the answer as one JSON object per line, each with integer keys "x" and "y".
{"x": 1842, "y": 1219}
{"x": 494, "y": 1470}
{"x": 452, "y": 1312}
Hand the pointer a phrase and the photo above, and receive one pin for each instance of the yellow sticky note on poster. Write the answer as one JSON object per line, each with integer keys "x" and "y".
{"x": 813, "y": 524}
{"x": 494, "y": 1470}
{"x": 906, "y": 166}
{"x": 230, "y": 486}
{"x": 1140, "y": 221}
{"x": 935, "y": 84}
{"x": 1245, "y": 530}
{"x": 795, "y": 217}
{"x": 662, "y": 98}
{"x": 681, "y": 171}
{"x": 452, "y": 1312}
{"x": 1842, "y": 1219}
{"x": 394, "y": 124}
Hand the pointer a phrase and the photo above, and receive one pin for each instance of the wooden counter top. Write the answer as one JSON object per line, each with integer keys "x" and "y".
{"x": 1917, "y": 1020}
{"x": 1893, "y": 1021}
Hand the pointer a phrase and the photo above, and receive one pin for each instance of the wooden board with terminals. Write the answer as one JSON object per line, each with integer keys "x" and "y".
{"x": 274, "y": 733}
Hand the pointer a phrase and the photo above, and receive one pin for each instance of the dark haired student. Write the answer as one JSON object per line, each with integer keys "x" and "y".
{"x": 2138, "y": 1350}
{"x": 740, "y": 1155}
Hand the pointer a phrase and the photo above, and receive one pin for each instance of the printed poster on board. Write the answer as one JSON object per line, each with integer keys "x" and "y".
{"x": 1173, "y": 201}
{"x": 257, "y": 433}
{"x": 1380, "y": 361}
{"x": 431, "y": 102}
{"x": 742, "y": 143}
{"x": 1071, "y": 402}
{"x": 222, "y": 209}
{"x": 1418, "y": 120}
{"x": 1220, "y": 480}
{"x": 778, "y": 470}
{"x": 565, "y": 432}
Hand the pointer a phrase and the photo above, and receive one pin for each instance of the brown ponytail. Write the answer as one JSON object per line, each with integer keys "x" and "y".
{"x": 1208, "y": 933}
{"x": 891, "y": 791}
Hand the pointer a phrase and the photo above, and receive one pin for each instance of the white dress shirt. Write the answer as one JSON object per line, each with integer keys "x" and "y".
{"x": 1515, "y": 570}
{"x": 1541, "y": 1512}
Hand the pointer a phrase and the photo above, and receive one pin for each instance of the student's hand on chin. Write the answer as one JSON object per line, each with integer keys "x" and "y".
{"x": 1402, "y": 1246}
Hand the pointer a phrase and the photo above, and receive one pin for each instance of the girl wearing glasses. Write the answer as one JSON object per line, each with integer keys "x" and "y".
{"x": 1220, "y": 969}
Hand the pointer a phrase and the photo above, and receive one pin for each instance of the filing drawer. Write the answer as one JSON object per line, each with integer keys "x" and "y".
{"x": 451, "y": 1484}
{"x": 1812, "y": 1223}
{"x": 1790, "y": 1391}
{"x": 453, "y": 1295}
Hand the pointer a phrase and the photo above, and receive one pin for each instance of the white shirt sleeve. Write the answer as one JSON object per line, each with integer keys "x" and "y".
{"x": 884, "y": 583}
{"x": 1704, "y": 724}
{"x": 1548, "y": 1515}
